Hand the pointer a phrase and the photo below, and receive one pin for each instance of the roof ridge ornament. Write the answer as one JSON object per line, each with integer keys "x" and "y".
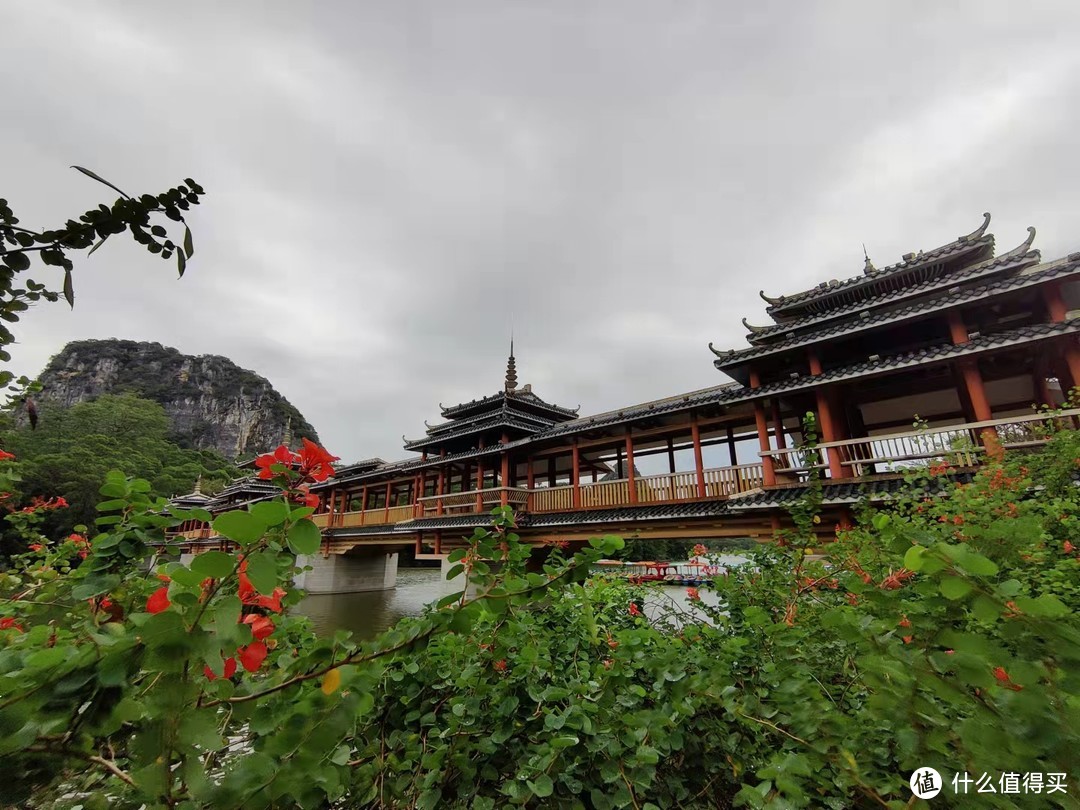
{"x": 511, "y": 371}
{"x": 975, "y": 234}
{"x": 868, "y": 267}
{"x": 769, "y": 299}
{"x": 720, "y": 353}
{"x": 1020, "y": 249}
{"x": 754, "y": 329}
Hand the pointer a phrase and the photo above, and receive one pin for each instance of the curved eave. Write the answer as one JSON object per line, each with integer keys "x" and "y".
{"x": 934, "y": 355}
{"x": 1001, "y": 264}
{"x": 730, "y": 364}
{"x": 820, "y": 299}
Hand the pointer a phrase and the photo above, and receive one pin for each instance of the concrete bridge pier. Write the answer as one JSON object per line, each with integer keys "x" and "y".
{"x": 355, "y": 572}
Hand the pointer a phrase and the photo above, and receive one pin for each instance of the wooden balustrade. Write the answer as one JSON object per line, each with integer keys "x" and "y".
{"x": 723, "y": 482}
{"x": 961, "y": 445}
{"x": 466, "y": 501}
{"x": 605, "y": 493}
{"x": 551, "y": 499}
{"x": 322, "y": 521}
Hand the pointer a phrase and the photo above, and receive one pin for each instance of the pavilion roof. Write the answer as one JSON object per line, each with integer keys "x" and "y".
{"x": 954, "y": 297}
{"x": 914, "y": 268}
{"x": 1012, "y": 261}
{"x": 521, "y": 397}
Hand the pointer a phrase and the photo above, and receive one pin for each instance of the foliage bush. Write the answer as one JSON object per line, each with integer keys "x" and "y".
{"x": 939, "y": 632}
{"x": 936, "y": 633}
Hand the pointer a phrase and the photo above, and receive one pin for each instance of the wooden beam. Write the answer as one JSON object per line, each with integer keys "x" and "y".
{"x": 731, "y": 447}
{"x": 630, "y": 475}
{"x": 671, "y": 455}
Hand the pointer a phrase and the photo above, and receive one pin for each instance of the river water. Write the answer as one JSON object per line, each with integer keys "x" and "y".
{"x": 368, "y": 614}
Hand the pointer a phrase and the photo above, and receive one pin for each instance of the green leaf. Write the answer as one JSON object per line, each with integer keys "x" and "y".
{"x": 89, "y": 173}
{"x": 213, "y": 564}
{"x": 542, "y": 786}
{"x": 304, "y": 537}
{"x": 181, "y": 263}
{"x": 455, "y": 571}
{"x": 69, "y": 290}
{"x": 978, "y": 564}
{"x": 955, "y": 587}
{"x": 243, "y": 527}
{"x": 985, "y": 609}
{"x": 272, "y": 513}
{"x": 262, "y": 571}
{"x": 189, "y": 246}
{"x": 913, "y": 559}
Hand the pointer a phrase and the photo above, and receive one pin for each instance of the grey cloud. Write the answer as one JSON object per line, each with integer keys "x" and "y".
{"x": 392, "y": 186}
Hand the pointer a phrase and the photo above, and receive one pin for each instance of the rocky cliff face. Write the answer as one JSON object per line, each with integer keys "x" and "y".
{"x": 211, "y": 402}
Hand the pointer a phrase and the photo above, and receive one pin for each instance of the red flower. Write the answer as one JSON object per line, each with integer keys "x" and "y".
{"x": 634, "y": 610}
{"x": 1068, "y": 547}
{"x": 304, "y": 496}
{"x": 315, "y": 461}
{"x": 36, "y": 547}
{"x": 59, "y": 503}
{"x": 1006, "y": 681}
{"x": 905, "y": 622}
{"x": 9, "y": 623}
{"x": 77, "y": 539}
{"x": 852, "y": 599}
{"x": 5, "y": 456}
{"x": 907, "y": 639}
{"x": 693, "y": 595}
{"x": 159, "y": 600}
{"x": 283, "y": 455}
{"x": 252, "y": 655}
{"x": 500, "y": 665}
{"x": 699, "y": 550}
{"x": 261, "y": 626}
{"x": 229, "y": 671}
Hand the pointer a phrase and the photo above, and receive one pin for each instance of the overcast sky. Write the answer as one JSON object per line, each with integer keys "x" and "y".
{"x": 392, "y": 186}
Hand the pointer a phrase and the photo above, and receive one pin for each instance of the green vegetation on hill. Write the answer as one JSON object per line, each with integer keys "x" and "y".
{"x": 72, "y": 449}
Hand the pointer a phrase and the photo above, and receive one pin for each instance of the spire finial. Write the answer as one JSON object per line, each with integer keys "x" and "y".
{"x": 868, "y": 268}
{"x": 511, "y": 369}
{"x": 287, "y": 439}
{"x": 198, "y": 485}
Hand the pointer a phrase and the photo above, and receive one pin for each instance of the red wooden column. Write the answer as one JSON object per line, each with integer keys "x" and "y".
{"x": 386, "y": 514}
{"x": 826, "y": 419}
{"x": 330, "y": 497}
{"x": 440, "y": 488}
{"x": 479, "y": 485}
{"x": 575, "y": 459}
{"x": 767, "y": 469}
{"x": 631, "y": 478}
{"x": 530, "y": 476}
{"x": 551, "y": 471}
{"x": 671, "y": 455}
{"x": 699, "y": 462}
{"x": 969, "y": 371}
{"x": 778, "y": 424}
{"x": 1055, "y": 304}
{"x": 363, "y": 505}
{"x": 504, "y": 477}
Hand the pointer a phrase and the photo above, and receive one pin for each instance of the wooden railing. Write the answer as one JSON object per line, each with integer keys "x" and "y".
{"x": 373, "y": 517}
{"x": 961, "y": 445}
{"x": 551, "y": 499}
{"x": 452, "y": 502}
{"x": 666, "y": 488}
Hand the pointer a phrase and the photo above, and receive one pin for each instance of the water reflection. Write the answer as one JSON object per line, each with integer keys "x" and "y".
{"x": 368, "y": 614}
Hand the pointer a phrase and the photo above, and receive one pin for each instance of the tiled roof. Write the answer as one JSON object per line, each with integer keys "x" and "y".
{"x": 504, "y": 417}
{"x": 947, "y": 300}
{"x": 477, "y": 405}
{"x": 993, "y": 267}
{"x": 919, "y": 357}
{"x": 859, "y": 285}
